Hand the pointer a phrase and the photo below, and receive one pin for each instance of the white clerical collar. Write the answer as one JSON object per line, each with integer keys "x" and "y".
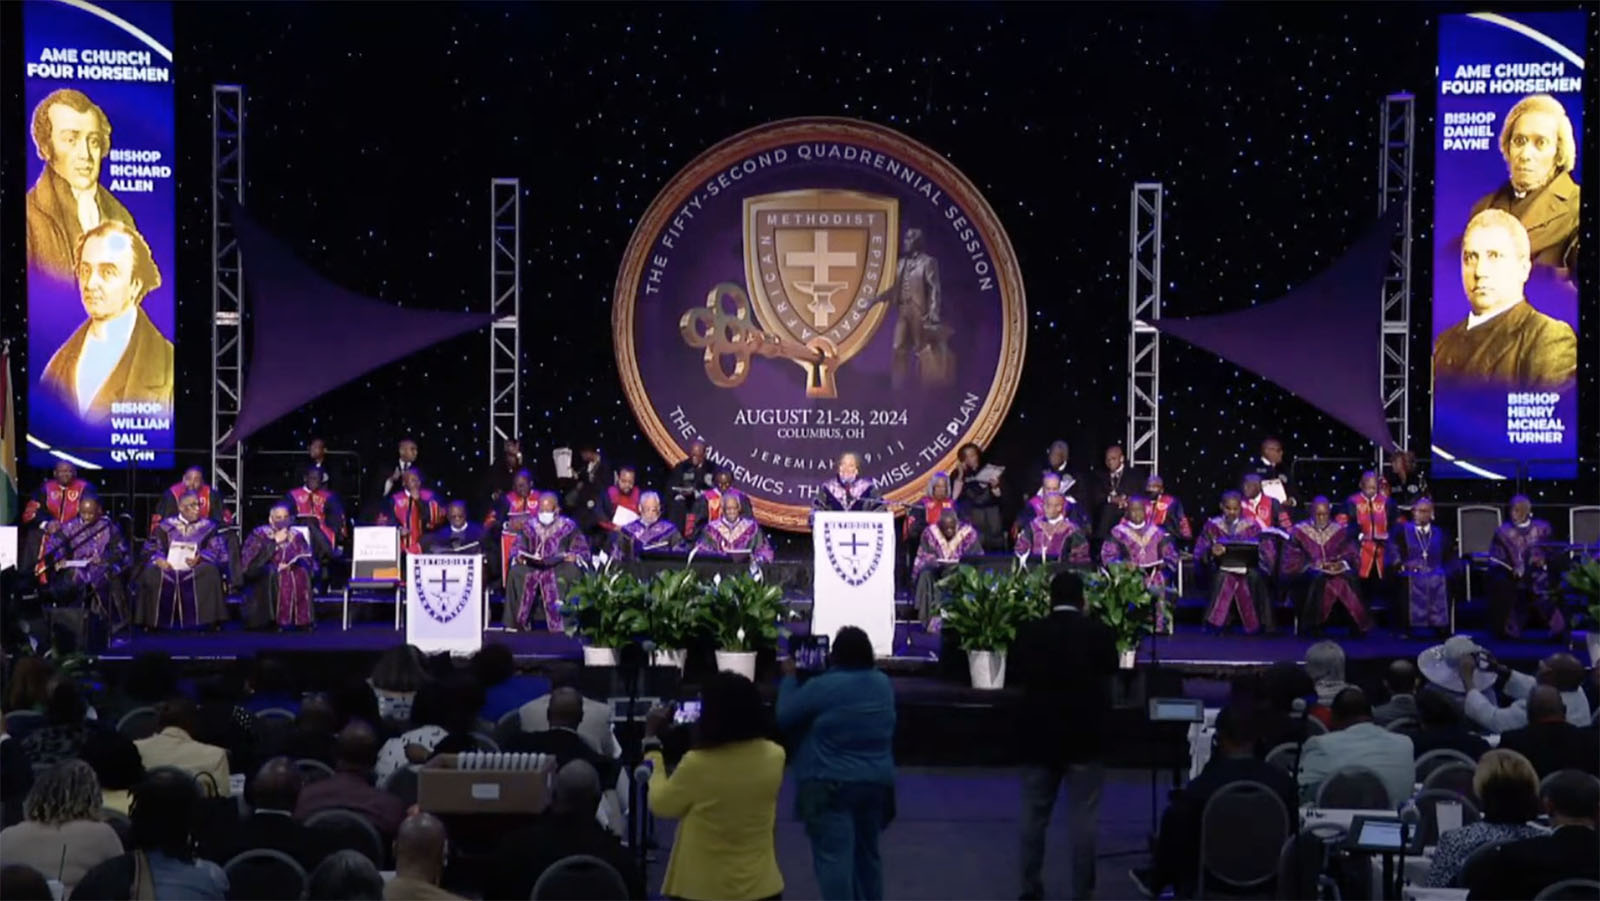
{"x": 1524, "y": 524}
{"x": 1474, "y": 320}
{"x": 1267, "y": 462}
{"x": 1055, "y": 520}
{"x": 457, "y": 531}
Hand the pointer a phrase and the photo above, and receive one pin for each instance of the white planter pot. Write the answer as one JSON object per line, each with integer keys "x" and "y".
{"x": 599, "y": 656}
{"x": 1126, "y": 659}
{"x": 988, "y": 669}
{"x": 741, "y": 662}
{"x": 674, "y": 657}
{"x": 1592, "y": 638}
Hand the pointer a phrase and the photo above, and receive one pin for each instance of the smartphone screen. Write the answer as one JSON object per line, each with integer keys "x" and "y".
{"x": 811, "y": 655}
{"x": 688, "y": 712}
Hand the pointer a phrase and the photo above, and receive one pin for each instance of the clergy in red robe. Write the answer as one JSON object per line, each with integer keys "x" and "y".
{"x": 1322, "y": 553}
{"x": 414, "y": 509}
{"x": 1166, "y": 510}
{"x": 549, "y": 548}
{"x": 940, "y": 550}
{"x": 1138, "y": 540}
{"x": 193, "y": 482}
{"x": 709, "y": 506}
{"x": 1519, "y": 575}
{"x": 278, "y": 567}
{"x": 314, "y": 506}
{"x": 1235, "y": 588}
{"x": 1053, "y": 537}
{"x": 509, "y": 514}
{"x": 1367, "y": 516}
{"x": 52, "y": 505}
{"x": 925, "y": 513}
{"x": 1256, "y": 504}
{"x": 624, "y": 495}
{"x": 181, "y": 584}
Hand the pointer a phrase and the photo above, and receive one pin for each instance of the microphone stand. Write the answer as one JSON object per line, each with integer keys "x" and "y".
{"x": 631, "y": 660}
{"x": 1294, "y": 776}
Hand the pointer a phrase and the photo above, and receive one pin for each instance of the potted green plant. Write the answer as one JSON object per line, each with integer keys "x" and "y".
{"x": 746, "y": 615}
{"x": 1119, "y": 597}
{"x": 983, "y": 610}
{"x": 1584, "y": 580}
{"x": 605, "y": 609}
{"x": 675, "y": 614}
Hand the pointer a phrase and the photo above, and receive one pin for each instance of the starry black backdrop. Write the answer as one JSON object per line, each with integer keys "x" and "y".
{"x": 373, "y": 129}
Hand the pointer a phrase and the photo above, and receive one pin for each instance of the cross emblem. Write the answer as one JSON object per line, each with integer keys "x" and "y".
{"x": 821, "y": 260}
{"x": 855, "y": 544}
{"x": 443, "y": 582}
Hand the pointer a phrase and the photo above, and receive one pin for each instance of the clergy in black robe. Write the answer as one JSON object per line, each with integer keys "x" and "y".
{"x": 689, "y": 479}
{"x": 188, "y": 594}
{"x": 278, "y": 569}
{"x": 503, "y": 475}
{"x": 583, "y": 498}
{"x": 1404, "y": 484}
{"x": 1109, "y": 490}
{"x": 848, "y": 491}
{"x": 458, "y": 535}
{"x": 978, "y": 502}
{"x": 391, "y": 479}
{"x": 1055, "y": 460}
{"x": 1503, "y": 341}
{"x": 1273, "y": 470}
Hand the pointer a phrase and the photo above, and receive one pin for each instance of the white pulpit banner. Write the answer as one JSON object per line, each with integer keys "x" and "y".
{"x": 8, "y": 547}
{"x": 853, "y": 576}
{"x": 444, "y": 609}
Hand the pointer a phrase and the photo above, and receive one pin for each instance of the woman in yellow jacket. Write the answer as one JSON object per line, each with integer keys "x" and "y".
{"x": 724, "y": 793}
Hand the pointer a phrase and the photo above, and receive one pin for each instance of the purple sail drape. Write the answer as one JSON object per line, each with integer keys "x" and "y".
{"x": 1319, "y": 341}
{"x": 309, "y": 336}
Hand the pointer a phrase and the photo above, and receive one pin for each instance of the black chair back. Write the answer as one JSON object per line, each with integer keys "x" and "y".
{"x": 1432, "y": 760}
{"x": 1284, "y": 756}
{"x": 140, "y": 722}
{"x": 338, "y": 829}
{"x": 581, "y": 877}
{"x": 1473, "y": 870}
{"x": 1570, "y": 890}
{"x": 263, "y": 875}
{"x": 1239, "y": 820}
{"x": 313, "y": 770}
{"x": 1354, "y": 788}
{"x": 1456, "y": 777}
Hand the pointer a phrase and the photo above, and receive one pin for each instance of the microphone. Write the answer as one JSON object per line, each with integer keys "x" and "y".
{"x": 1299, "y": 707}
{"x": 1410, "y": 816}
{"x": 642, "y": 772}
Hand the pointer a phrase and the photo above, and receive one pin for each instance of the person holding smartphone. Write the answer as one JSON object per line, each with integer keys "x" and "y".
{"x": 840, "y": 723}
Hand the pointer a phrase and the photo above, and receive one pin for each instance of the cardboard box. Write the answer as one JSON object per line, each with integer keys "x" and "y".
{"x": 442, "y": 788}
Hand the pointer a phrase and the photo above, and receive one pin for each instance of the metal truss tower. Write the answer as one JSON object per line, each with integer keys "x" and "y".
{"x": 227, "y": 290}
{"x": 505, "y": 303}
{"x": 1144, "y": 342}
{"x": 1395, "y": 188}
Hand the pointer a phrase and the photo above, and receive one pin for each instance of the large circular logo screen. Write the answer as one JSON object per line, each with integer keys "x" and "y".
{"x": 816, "y": 286}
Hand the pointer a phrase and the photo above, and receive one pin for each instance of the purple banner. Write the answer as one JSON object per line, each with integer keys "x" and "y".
{"x": 1505, "y": 295}
{"x": 98, "y": 85}
{"x": 815, "y": 286}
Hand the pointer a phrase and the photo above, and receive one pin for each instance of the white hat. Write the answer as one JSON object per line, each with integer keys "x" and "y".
{"x": 1438, "y": 665}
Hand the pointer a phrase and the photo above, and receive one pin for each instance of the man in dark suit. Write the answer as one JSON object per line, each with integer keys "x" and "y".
{"x": 568, "y": 828}
{"x": 1550, "y": 742}
{"x": 1540, "y": 151}
{"x": 1443, "y": 727}
{"x": 1503, "y": 341}
{"x": 72, "y": 135}
{"x": 1066, "y": 662}
{"x": 271, "y": 825}
{"x": 1178, "y": 843}
{"x": 1110, "y": 488}
{"x": 1522, "y": 869}
{"x": 562, "y": 740}
{"x": 1401, "y": 680}
{"x": 457, "y": 534}
{"x": 1270, "y": 465}
{"x": 117, "y": 355}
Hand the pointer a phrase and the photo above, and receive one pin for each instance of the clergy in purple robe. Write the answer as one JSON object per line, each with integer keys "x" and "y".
{"x": 1421, "y": 553}
{"x": 549, "y": 548}
{"x": 1050, "y": 482}
{"x": 1054, "y": 537}
{"x": 188, "y": 593}
{"x": 1323, "y": 553}
{"x": 1519, "y": 575}
{"x": 1139, "y": 541}
{"x": 847, "y": 491}
{"x": 1238, "y": 589}
{"x": 85, "y": 559}
{"x": 734, "y": 534}
{"x": 647, "y": 534}
{"x": 278, "y": 566}
{"x": 942, "y": 549}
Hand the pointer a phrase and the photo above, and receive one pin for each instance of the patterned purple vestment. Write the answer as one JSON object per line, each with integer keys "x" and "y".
{"x": 636, "y": 538}
{"x": 1327, "y": 554}
{"x": 1242, "y": 591}
{"x": 1519, "y": 579}
{"x": 1148, "y": 547}
{"x": 936, "y": 549}
{"x": 1061, "y": 540}
{"x": 282, "y": 594}
{"x": 102, "y": 545}
{"x": 736, "y": 539}
{"x": 548, "y": 546}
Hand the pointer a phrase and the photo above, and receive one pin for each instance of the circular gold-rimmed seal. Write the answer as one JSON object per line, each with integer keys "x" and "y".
{"x": 770, "y": 304}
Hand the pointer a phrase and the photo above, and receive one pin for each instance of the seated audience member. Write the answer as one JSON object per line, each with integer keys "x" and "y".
{"x": 271, "y": 685}
{"x": 220, "y": 721}
{"x": 458, "y": 534}
{"x": 1281, "y": 685}
{"x": 1522, "y": 869}
{"x": 174, "y": 745}
{"x": 567, "y": 828}
{"x": 735, "y": 534}
{"x": 116, "y": 764}
{"x": 1178, "y": 843}
{"x": 63, "y": 733}
{"x": 546, "y": 555}
{"x": 503, "y": 689}
{"x": 724, "y": 793}
{"x": 61, "y": 833}
{"x": 354, "y": 755}
{"x": 1357, "y": 741}
{"x": 1443, "y": 728}
{"x": 1508, "y": 792}
{"x": 649, "y": 534}
{"x": 20, "y": 882}
{"x": 1401, "y": 680}
{"x": 418, "y": 860}
{"x": 395, "y": 679}
{"x": 345, "y": 876}
{"x": 279, "y": 568}
{"x": 562, "y": 740}
{"x": 273, "y": 792}
{"x": 151, "y": 678}
{"x": 174, "y": 597}
{"x": 940, "y": 551}
{"x": 163, "y": 810}
{"x": 16, "y": 780}
{"x": 1563, "y": 671}
{"x": 1550, "y": 742}
{"x": 595, "y": 726}
{"x": 1325, "y": 666}
{"x": 442, "y": 709}
{"x": 29, "y": 689}
{"x": 311, "y": 737}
